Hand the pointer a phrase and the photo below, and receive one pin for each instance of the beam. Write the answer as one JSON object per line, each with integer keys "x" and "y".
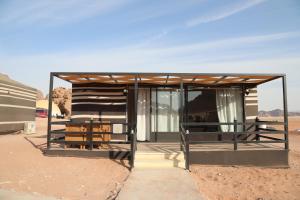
{"x": 217, "y": 81}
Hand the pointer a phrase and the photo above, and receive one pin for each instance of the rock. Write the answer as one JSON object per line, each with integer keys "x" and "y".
{"x": 63, "y": 97}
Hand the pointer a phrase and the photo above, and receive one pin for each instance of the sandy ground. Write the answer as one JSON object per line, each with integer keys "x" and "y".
{"x": 24, "y": 168}
{"x": 253, "y": 183}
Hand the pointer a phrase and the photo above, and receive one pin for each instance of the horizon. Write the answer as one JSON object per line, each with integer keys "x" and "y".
{"x": 199, "y": 36}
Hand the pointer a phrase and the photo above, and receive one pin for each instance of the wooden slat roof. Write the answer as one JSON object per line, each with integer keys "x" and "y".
{"x": 166, "y": 78}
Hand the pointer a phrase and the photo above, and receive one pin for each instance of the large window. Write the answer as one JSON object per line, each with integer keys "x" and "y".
{"x": 201, "y": 107}
{"x": 165, "y": 114}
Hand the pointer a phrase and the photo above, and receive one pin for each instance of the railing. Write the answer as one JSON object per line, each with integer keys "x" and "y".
{"x": 255, "y": 136}
{"x": 90, "y": 135}
{"x": 133, "y": 146}
{"x": 185, "y": 146}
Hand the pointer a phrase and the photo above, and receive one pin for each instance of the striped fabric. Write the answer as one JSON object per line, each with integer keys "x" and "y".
{"x": 251, "y": 104}
{"x": 17, "y": 104}
{"x": 99, "y": 102}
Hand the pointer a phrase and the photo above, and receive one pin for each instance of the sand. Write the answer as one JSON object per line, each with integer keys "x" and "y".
{"x": 24, "y": 168}
{"x": 253, "y": 183}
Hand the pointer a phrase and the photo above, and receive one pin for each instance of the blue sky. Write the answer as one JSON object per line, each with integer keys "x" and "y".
{"x": 247, "y": 36}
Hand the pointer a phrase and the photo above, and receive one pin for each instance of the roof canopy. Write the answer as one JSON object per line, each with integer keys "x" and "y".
{"x": 167, "y": 78}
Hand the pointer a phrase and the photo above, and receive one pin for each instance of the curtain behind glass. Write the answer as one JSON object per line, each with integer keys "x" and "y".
{"x": 229, "y": 106}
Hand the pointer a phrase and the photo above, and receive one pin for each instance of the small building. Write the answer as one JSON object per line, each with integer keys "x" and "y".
{"x": 42, "y": 107}
{"x": 207, "y": 118}
{"x": 17, "y": 105}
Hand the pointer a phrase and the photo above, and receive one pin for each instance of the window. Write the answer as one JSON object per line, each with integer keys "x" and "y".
{"x": 165, "y": 110}
{"x": 201, "y": 107}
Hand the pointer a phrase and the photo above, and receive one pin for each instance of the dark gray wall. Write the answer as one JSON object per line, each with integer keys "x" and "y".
{"x": 17, "y": 104}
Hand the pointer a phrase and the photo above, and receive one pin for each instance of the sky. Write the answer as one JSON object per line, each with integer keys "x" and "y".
{"x": 240, "y": 36}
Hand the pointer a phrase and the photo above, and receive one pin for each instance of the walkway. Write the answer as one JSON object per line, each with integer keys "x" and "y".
{"x": 13, "y": 195}
{"x": 171, "y": 183}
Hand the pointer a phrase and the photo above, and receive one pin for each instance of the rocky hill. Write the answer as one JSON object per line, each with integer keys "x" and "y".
{"x": 62, "y": 97}
{"x": 275, "y": 113}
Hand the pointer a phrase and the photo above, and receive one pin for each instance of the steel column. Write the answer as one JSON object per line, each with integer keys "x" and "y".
{"x": 49, "y": 111}
{"x": 181, "y": 102}
{"x": 235, "y": 135}
{"x": 285, "y": 110}
{"x": 187, "y": 150}
{"x": 134, "y": 128}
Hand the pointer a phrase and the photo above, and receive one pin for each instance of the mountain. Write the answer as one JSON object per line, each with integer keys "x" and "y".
{"x": 275, "y": 113}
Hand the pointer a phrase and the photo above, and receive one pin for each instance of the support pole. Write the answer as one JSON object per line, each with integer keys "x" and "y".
{"x": 181, "y": 113}
{"x": 285, "y": 110}
{"x": 136, "y": 107}
{"x": 134, "y": 128}
{"x": 91, "y": 135}
{"x": 234, "y": 134}
{"x": 49, "y": 111}
{"x": 181, "y": 102}
{"x": 187, "y": 149}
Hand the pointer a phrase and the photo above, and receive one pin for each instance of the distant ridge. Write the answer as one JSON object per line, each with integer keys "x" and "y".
{"x": 275, "y": 113}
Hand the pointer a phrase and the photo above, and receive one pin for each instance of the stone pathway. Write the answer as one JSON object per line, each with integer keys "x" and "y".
{"x": 160, "y": 184}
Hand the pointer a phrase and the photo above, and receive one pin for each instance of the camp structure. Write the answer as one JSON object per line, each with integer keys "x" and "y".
{"x": 17, "y": 105}
{"x": 207, "y": 118}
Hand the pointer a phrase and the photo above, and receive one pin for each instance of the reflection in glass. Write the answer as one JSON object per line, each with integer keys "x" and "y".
{"x": 165, "y": 114}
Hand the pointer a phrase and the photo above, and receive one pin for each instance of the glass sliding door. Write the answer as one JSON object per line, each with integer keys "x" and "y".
{"x": 165, "y": 110}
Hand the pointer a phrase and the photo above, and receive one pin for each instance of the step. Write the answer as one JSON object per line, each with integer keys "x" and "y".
{"x": 159, "y": 164}
{"x": 156, "y": 155}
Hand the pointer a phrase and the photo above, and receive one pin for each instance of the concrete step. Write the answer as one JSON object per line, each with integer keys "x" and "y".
{"x": 159, "y": 164}
{"x": 155, "y": 155}
{"x": 148, "y": 159}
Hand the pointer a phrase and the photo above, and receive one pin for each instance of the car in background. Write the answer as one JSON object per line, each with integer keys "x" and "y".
{"x": 42, "y": 113}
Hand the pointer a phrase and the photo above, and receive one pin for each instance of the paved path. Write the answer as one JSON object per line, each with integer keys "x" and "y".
{"x": 158, "y": 184}
{"x": 12, "y": 195}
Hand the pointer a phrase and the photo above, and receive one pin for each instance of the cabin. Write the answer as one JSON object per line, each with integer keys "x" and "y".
{"x": 17, "y": 106}
{"x": 190, "y": 118}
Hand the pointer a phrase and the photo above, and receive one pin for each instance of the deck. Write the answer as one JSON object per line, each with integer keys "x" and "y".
{"x": 265, "y": 155}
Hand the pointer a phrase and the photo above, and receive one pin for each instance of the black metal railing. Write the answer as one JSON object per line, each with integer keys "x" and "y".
{"x": 90, "y": 133}
{"x": 185, "y": 146}
{"x": 133, "y": 146}
{"x": 238, "y": 137}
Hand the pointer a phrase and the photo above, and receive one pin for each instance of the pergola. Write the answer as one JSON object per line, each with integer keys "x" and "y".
{"x": 167, "y": 78}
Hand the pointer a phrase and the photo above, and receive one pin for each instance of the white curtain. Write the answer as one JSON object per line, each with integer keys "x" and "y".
{"x": 143, "y": 115}
{"x": 230, "y": 108}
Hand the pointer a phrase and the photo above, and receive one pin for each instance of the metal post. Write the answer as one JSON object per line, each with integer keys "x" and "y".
{"x": 156, "y": 113}
{"x": 234, "y": 134}
{"x": 187, "y": 150}
{"x": 181, "y": 113}
{"x": 49, "y": 111}
{"x": 285, "y": 110}
{"x": 257, "y": 129}
{"x": 244, "y": 108}
{"x": 136, "y": 106}
{"x": 134, "y": 128}
{"x": 91, "y": 135}
{"x": 181, "y": 102}
{"x": 132, "y": 148}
